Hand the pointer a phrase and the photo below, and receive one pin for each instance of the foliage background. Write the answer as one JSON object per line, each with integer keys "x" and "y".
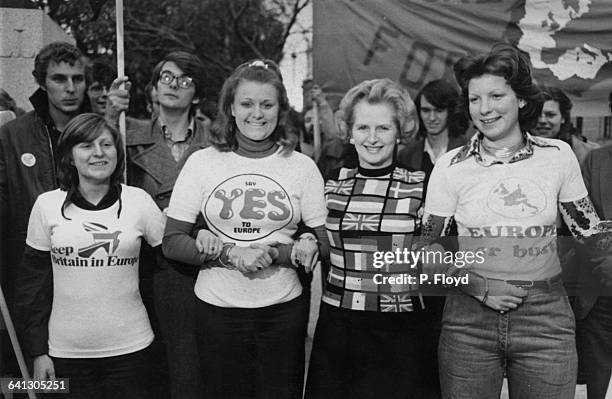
{"x": 223, "y": 33}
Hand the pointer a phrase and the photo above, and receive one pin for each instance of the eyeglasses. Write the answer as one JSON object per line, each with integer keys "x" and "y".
{"x": 98, "y": 88}
{"x": 183, "y": 81}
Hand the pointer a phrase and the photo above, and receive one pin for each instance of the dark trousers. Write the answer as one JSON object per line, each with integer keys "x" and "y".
{"x": 252, "y": 353}
{"x": 594, "y": 341}
{"x": 116, "y": 377}
{"x": 175, "y": 307}
{"x": 364, "y": 354}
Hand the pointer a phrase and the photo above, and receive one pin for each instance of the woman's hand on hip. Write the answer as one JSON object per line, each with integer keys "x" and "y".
{"x": 496, "y": 294}
{"x": 502, "y": 303}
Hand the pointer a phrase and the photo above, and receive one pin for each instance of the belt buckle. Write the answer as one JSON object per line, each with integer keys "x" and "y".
{"x": 522, "y": 283}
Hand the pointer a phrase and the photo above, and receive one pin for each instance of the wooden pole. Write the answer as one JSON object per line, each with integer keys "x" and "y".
{"x": 316, "y": 131}
{"x": 13, "y": 336}
{"x": 120, "y": 67}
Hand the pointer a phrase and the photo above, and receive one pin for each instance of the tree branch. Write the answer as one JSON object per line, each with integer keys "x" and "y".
{"x": 182, "y": 39}
{"x": 236, "y": 25}
{"x": 297, "y": 8}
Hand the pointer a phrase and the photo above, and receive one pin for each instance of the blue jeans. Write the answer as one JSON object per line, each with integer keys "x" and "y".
{"x": 534, "y": 346}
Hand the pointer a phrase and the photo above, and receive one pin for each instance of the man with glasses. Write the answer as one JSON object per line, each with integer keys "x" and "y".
{"x": 27, "y": 146}
{"x": 156, "y": 151}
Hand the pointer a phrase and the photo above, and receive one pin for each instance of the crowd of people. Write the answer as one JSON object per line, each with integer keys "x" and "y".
{"x": 177, "y": 262}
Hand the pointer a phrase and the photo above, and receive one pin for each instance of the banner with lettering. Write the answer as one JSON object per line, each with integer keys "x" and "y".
{"x": 569, "y": 42}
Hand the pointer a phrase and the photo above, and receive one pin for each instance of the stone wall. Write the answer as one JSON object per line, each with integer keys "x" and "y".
{"x": 23, "y": 32}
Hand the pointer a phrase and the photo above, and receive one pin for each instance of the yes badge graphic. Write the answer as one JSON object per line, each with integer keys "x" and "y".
{"x": 248, "y": 207}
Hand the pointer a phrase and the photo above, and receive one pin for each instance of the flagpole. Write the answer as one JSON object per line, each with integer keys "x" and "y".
{"x": 13, "y": 336}
{"x": 120, "y": 67}
{"x": 316, "y": 131}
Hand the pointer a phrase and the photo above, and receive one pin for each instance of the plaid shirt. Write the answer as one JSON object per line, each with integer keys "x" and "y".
{"x": 178, "y": 147}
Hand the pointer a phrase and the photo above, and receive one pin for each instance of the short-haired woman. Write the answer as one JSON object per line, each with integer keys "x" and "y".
{"x": 78, "y": 296}
{"x": 377, "y": 333}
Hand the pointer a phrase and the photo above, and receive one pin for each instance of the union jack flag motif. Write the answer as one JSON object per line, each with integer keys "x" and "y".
{"x": 395, "y": 303}
{"x": 339, "y": 186}
{"x": 354, "y": 221}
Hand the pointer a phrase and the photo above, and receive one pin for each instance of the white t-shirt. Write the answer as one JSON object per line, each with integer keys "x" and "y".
{"x": 508, "y": 210}
{"x": 97, "y": 309}
{"x": 249, "y": 200}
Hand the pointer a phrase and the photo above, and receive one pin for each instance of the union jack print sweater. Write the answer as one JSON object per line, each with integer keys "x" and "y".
{"x": 371, "y": 213}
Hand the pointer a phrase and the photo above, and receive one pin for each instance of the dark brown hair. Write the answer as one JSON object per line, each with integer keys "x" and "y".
{"x": 443, "y": 95}
{"x": 54, "y": 52}
{"x": 508, "y": 62}
{"x": 84, "y": 128}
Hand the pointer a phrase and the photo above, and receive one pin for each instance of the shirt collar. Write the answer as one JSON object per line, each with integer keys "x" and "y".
{"x": 168, "y": 134}
{"x": 472, "y": 148}
{"x": 109, "y": 199}
{"x": 429, "y": 150}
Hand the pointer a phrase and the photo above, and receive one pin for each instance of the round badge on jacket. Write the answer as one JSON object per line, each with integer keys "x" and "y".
{"x": 28, "y": 159}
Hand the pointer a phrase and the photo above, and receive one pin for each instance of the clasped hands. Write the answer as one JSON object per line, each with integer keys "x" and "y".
{"x": 495, "y": 294}
{"x": 257, "y": 256}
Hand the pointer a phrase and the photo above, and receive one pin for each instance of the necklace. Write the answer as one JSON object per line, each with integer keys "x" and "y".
{"x": 503, "y": 152}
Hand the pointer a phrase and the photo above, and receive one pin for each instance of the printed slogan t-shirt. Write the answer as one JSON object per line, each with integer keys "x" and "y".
{"x": 244, "y": 201}
{"x": 508, "y": 210}
{"x": 97, "y": 309}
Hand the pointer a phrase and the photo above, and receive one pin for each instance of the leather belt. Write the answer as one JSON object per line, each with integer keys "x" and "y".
{"x": 526, "y": 284}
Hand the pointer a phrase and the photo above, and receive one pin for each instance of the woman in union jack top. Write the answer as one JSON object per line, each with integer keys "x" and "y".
{"x": 376, "y": 335}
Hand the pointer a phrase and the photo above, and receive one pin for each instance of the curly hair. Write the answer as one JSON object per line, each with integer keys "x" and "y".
{"x": 443, "y": 95}
{"x": 84, "y": 128}
{"x": 508, "y": 62}
{"x": 56, "y": 52}
{"x": 223, "y": 135}
{"x": 379, "y": 91}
